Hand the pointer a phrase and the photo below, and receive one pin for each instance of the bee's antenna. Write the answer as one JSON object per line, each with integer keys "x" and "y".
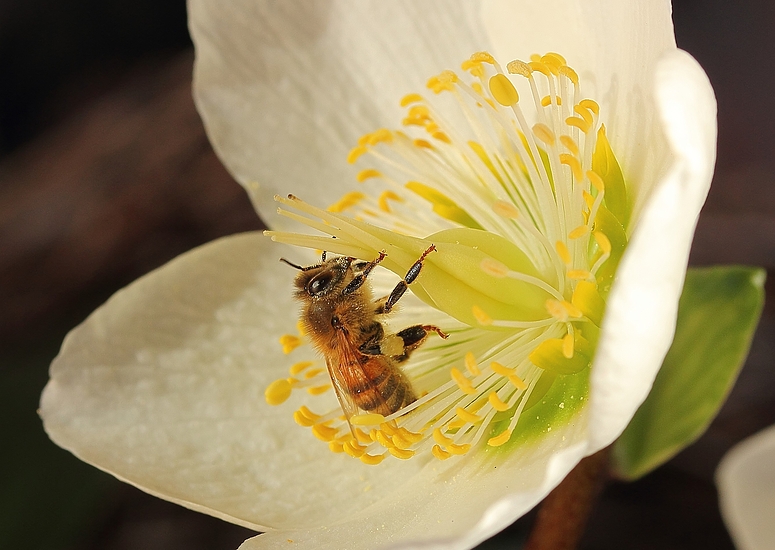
{"x": 323, "y": 256}
{"x": 300, "y": 268}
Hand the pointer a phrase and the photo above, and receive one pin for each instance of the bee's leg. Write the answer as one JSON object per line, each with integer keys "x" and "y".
{"x": 373, "y": 339}
{"x": 360, "y": 278}
{"x": 385, "y": 305}
{"x": 414, "y": 336}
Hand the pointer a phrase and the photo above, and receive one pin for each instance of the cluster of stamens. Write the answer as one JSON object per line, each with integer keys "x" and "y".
{"x": 551, "y": 186}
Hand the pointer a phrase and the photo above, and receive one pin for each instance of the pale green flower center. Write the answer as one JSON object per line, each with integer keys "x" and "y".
{"x": 528, "y": 214}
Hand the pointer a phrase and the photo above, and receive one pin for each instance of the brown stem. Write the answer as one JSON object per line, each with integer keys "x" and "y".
{"x": 563, "y": 515}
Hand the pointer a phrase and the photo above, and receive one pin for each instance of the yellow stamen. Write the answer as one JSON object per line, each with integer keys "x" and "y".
{"x": 563, "y": 252}
{"x": 297, "y": 368}
{"x": 312, "y": 373}
{"x": 384, "y": 197}
{"x": 355, "y": 153}
{"x": 353, "y": 449}
{"x": 363, "y": 175}
{"x": 440, "y": 438}
{"x": 579, "y": 274}
{"x": 596, "y": 181}
{"x": 462, "y": 382}
{"x": 289, "y": 343}
{"x": 505, "y": 209}
{"x": 497, "y": 368}
{"x": 496, "y": 402}
{"x": 423, "y": 144}
{"x": 317, "y": 390}
{"x": 410, "y": 98}
{"x": 574, "y": 164}
{"x": 570, "y": 144}
{"x": 336, "y": 447}
{"x": 277, "y": 392}
{"x": 520, "y": 68}
{"x": 368, "y": 419}
{"x": 347, "y": 201}
{"x": 569, "y": 73}
{"x": 567, "y": 346}
{"x": 440, "y": 453}
{"x": 403, "y": 454}
{"x": 579, "y": 232}
{"x": 603, "y": 242}
{"x": 590, "y": 104}
{"x": 544, "y": 133}
{"x": 456, "y": 449}
{"x": 372, "y": 460}
{"x": 517, "y": 382}
{"x": 324, "y": 433}
{"x": 481, "y": 317}
{"x": 503, "y": 90}
{"x": 471, "y": 365}
{"x": 469, "y": 417}
{"x": 499, "y": 440}
{"x": 578, "y": 122}
{"x": 494, "y": 268}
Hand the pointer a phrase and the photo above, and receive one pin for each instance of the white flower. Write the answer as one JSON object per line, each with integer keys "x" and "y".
{"x": 163, "y": 385}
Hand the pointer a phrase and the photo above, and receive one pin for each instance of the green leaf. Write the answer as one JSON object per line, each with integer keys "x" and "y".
{"x": 717, "y": 315}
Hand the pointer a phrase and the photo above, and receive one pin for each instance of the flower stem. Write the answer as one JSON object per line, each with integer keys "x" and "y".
{"x": 563, "y": 515}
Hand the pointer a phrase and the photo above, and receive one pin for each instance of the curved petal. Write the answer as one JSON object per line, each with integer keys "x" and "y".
{"x": 614, "y": 45}
{"x": 641, "y": 313}
{"x": 287, "y": 88}
{"x": 746, "y": 483}
{"x": 163, "y": 387}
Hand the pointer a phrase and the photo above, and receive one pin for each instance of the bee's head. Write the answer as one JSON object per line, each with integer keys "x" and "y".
{"x": 318, "y": 280}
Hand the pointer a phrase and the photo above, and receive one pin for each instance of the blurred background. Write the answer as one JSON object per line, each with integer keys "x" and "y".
{"x": 106, "y": 173}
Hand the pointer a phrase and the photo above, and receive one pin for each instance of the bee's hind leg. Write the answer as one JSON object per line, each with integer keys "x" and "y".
{"x": 414, "y": 336}
{"x": 385, "y": 305}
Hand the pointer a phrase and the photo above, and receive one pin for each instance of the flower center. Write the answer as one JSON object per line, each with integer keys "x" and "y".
{"x": 528, "y": 213}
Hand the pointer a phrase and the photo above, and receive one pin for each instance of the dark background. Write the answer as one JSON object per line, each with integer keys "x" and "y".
{"x": 105, "y": 174}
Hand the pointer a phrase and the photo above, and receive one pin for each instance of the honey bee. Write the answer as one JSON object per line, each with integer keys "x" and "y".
{"x": 343, "y": 321}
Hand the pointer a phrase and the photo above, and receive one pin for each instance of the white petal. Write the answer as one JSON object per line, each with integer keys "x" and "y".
{"x": 286, "y": 88}
{"x": 444, "y": 506}
{"x": 163, "y": 387}
{"x": 641, "y": 313}
{"x": 746, "y": 483}
{"x": 614, "y": 45}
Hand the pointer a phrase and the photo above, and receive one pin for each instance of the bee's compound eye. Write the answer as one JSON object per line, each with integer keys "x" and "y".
{"x": 319, "y": 284}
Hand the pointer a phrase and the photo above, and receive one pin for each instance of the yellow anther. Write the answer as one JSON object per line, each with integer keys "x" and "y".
{"x": 372, "y": 460}
{"x": 414, "y": 121}
{"x": 590, "y": 104}
{"x": 353, "y": 449}
{"x": 277, "y": 392}
{"x": 497, "y": 368}
{"x": 297, "y": 368}
{"x": 517, "y": 382}
{"x": 469, "y": 417}
{"x": 570, "y": 144}
{"x": 542, "y": 68}
{"x": 419, "y": 111}
{"x": 293, "y": 381}
{"x": 563, "y": 252}
{"x": 535, "y": 57}
{"x": 414, "y": 437}
{"x": 494, "y": 268}
{"x": 588, "y": 199}
{"x": 312, "y": 373}
{"x": 578, "y": 122}
{"x": 422, "y": 143}
{"x": 384, "y": 439}
{"x": 362, "y": 437}
{"x": 368, "y": 419}
{"x": 289, "y": 343}
{"x": 441, "y": 136}
{"x": 505, "y": 209}
{"x": 389, "y": 428}
{"x": 596, "y": 181}
{"x": 579, "y": 232}
{"x": 544, "y": 133}
{"x": 324, "y": 433}
{"x": 471, "y": 365}
{"x": 603, "y": 242}
{"x": 547, "y": 100}
{"x": 400, "y": 442}
{"x": 355, "y": 153}
{"x": 336, "y": 447}
{"x": 499, "y": 440}
{"x": 369, "y": 173}
{"x": 569, "y": 73}
{"x": 587, "y": 298}
{"x": 461, "y": 449}
{"x": 483, "y": 57}
{"x": 445, "y": 81}
{"x": 347, "y": 201}
{"x": 403, "y": 454}
{"x": 383, "y": 135}
{"x": 553, "y": 58}
{"x": 481, "y": 317}
{"x": 583, "y": 113}
{"x": 520, "y": 68}
{"x": 562, "y": 310}
{"x": 574, "y": 165}
{"x": 410, "y": 98}
{"x": 462, "y": 382}
{"x": 364, "y": 139}
{"x": 503, "y": 91}
{"x": 440, "y": 438}
{"x": 440, "y": 453}
{"x": 302, "y": 420}
{"x": 496, "y": 402}
{"x": 318, "y": 390}
{"x": 579, "y": 274}
{"x": 384, "y": 197}
{"x": 431, "y": 127}
{"x": 309, "y": 414}
{"x": 567, "y": 346}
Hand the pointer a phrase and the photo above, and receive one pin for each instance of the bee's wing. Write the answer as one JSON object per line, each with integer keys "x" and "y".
{"x": 349, "y": 408}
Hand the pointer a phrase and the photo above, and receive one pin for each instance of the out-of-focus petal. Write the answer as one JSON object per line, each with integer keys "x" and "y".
{"x": 640, "y": 318}
{"x": 746, "y": 483}
{"x": 287, "y": 88}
